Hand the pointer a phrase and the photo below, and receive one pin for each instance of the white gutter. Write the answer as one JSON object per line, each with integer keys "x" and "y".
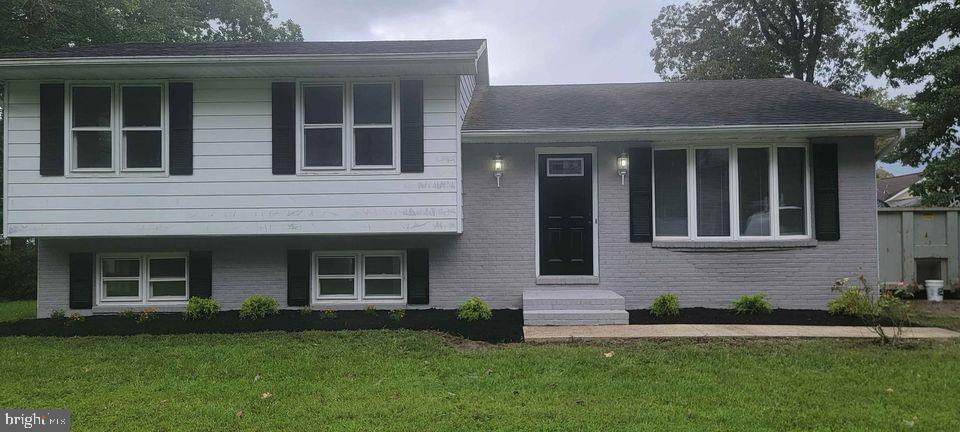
{"x": 206, "y": 59}
{"x": 892, "y": 144}
{"x": 613, "y": 132}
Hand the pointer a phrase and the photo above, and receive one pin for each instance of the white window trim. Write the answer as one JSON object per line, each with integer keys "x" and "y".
{"x": 117, "y": 147}
{"x": 348, "y": 161}
{"x": 734, "y": 188}
{"x": 145, "y": 292}
{"x": 359, "y": 295}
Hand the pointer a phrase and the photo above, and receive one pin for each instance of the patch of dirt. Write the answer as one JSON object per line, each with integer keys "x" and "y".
{"x": 945, "y": 308}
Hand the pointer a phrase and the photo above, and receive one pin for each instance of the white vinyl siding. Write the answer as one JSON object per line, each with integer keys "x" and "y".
{"x": 232, "y": 190}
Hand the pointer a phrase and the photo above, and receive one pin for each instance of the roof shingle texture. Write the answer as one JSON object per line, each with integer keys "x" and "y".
{"x": 142, "y": 49}
{"x": 890, "y": 186}
{"x": 688, "y": 103}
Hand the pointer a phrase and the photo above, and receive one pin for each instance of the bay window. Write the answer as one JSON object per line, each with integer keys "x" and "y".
{"x": 748, "y": 192}
{"x": 142, "y": 278}
{"x": 358, "y": 276}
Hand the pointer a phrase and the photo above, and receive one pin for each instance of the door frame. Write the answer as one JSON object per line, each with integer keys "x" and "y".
{"x": 596, "y": 215}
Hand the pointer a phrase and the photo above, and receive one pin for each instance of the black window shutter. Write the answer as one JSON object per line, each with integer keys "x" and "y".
{"x": 201, "y": 274}
{"x": 284, "y": 123}
{"x": 298, "y": 277}
{"x": 418, "y": 276}
{"x": 826, "y": 194}
{"x": 411, "y": 126}
{"x": 81, "y": 280}
{"x": 641, "y": 194}
{"x": 51, "y": 129}
{"x": 181, "y": 128}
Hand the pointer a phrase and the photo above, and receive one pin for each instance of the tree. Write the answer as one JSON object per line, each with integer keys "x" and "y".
{"x": 917, "y": 43}
{"x": 811, "y": 40}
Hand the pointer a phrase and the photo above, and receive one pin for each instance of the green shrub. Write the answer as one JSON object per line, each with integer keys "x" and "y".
{"x": 75, "y": 318}
{"x": 370, "y": 310}
{"x": 397, "y": 314}
{"x": 752, "y": 305}
{"x": 148, "y": 314}
{"x": 306, "y": 311}
{"x": 125, "y": 313}
{"x": 665, "y": 305}
{"x": 328, "y": 314}
{"x": 258, "y": 307}
{"x": 201, "y": 308}
{"x": 852, "y": 302}
{"x": 58, "y": 314}
{"x": 474, "y": 309}
{"x": 18, "y": 270}
{"x": 884, "y": 311}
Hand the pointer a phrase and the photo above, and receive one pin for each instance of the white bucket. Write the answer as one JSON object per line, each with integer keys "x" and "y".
{"x": 934, "y": 290}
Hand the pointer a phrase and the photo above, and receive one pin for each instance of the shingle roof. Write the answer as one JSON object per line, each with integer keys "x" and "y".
{"x": 890, "y": 186}
{"x": 689, "y": 103}
{"x": 142, "y": 49}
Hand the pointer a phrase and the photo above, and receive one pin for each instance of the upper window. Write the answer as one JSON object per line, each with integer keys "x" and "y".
{"x": 358, "y": 276}
{"x": 117, "y": 127}
{"x": 348, "y": 126}
{"x": 142, "y": 278}
{"x": 733, "y": 192}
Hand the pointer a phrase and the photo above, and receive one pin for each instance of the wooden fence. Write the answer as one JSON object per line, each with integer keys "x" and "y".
{"x": 917, "y": 244}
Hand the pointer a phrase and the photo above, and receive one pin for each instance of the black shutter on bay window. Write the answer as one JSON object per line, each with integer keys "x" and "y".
{"x": 201, "y": 274}
{"x": 641, "y": 194}
{"x": 418, "y": 276}
{"x": 81, "y": 280}
{"x": 181, "y": 128}
{"x": 51, "y": 129}
{"x": 298, "y": 277}
{"x": 826, "y": 194}
{"x": 284, "y": 122}
{"x": 411, "y": 126}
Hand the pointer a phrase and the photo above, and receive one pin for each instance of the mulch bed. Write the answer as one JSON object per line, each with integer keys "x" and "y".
{"x": 505, "y": 326}
{"x": 724, "y": 316}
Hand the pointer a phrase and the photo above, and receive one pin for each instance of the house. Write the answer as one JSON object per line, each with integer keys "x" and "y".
{"x": 895, "y": 191}
{"x": 346, "y": 174}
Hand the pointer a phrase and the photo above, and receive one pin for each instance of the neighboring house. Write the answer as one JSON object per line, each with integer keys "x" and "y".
{"x": 895, "y": 191}
{"x": 342, "y": 174}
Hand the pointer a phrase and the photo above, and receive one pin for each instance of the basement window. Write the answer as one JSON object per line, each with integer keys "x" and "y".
{"x": 359, "y": 276}
{"x": 142, "y": 278}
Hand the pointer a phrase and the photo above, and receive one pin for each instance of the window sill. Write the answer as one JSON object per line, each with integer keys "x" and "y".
{"x": 568, "y": 280}
{"x": 354, "y": 305}
{"x": 734, "y": 245}
{"x": 165, "y": 307}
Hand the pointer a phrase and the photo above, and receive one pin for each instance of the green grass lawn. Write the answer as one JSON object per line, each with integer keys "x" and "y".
{"x": 18, "y": 310}
{"x": 418, "y": 381}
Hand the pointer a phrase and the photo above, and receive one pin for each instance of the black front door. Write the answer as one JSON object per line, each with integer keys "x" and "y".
{"x": 566, "y": 214}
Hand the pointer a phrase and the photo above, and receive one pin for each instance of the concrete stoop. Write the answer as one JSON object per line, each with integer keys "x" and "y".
{"x": 573, "y": 307}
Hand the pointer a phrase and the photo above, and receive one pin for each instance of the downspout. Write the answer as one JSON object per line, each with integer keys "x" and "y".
{"x": 887, "y": 148}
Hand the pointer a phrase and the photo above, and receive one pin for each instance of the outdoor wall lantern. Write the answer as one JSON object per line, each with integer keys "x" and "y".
{"x": 498, "y": 167}
{"x": 623, "y": 164}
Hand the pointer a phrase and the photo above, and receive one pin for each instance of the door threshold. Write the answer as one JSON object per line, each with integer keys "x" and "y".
{"x": 568, "y": 280}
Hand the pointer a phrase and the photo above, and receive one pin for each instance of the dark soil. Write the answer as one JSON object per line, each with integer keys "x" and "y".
{"x": 505, "y": 326}
{"x": 724, "y": 316}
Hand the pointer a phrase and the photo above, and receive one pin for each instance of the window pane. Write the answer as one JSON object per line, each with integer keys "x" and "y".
{"x": 791, "y": 172}
{"x": 94, "y": 149}
{"x": 323, "y": 105}
{"x": 670, "y": 189}
{"x": 121, "y": 288}
{"x": 382, "y": 287}
{"x": 713, "y": 192}
{"x": 169, "y": 288}
{"x": 120, "y": 267}
{"x": 323, "y": 147}
{"x": 141, "y": 106}
{"x": 373, "y": 146}
{"x": 335, "y": 266}
{"x": 753, "y": 172}
{"x": 335, "y": 286}
{"x": 144, "y": 149}
{"x": 382, "y": 265}
{"x": 168, "y": 268}
{"x": 91, "y": 106}
{"x": 372, "y": 103}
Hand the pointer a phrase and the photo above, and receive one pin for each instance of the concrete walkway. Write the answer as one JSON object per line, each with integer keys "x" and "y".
{"x": 556, "y": 333}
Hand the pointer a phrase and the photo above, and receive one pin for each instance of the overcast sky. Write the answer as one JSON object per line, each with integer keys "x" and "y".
{"x": 529, "y": 42}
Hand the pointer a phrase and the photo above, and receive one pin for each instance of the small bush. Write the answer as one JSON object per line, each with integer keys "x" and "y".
{"x": 474, "y": 309}
{"x": 752, "y": 305}
{"x": 258, "y": 307}
{"x": 201, "y": 308}
{"x": 328, "y": 314}
{"x": 125, "y": 313}
{"x": 665, "y": 305}
{"x": 58, "y": 314}
{"x": 75, "y": 318}
{"x": 148, "y": 314}
{"x": 851, "y": 302}
{"x": 877, "y": 307}
{"x": 397, "y": 314}
{"x": 370, "y": 310}
{"x": 306, "y": 311}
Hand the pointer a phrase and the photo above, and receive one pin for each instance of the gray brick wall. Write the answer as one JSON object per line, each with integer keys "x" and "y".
{"x": 494, "y": 258}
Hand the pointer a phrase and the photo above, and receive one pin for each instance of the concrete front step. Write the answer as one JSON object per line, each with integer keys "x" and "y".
{"x": 572, "y": 299}
{"x": 559, "y": 317}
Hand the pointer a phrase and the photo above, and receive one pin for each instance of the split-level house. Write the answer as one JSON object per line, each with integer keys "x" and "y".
{"x": 347, "y": 174}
